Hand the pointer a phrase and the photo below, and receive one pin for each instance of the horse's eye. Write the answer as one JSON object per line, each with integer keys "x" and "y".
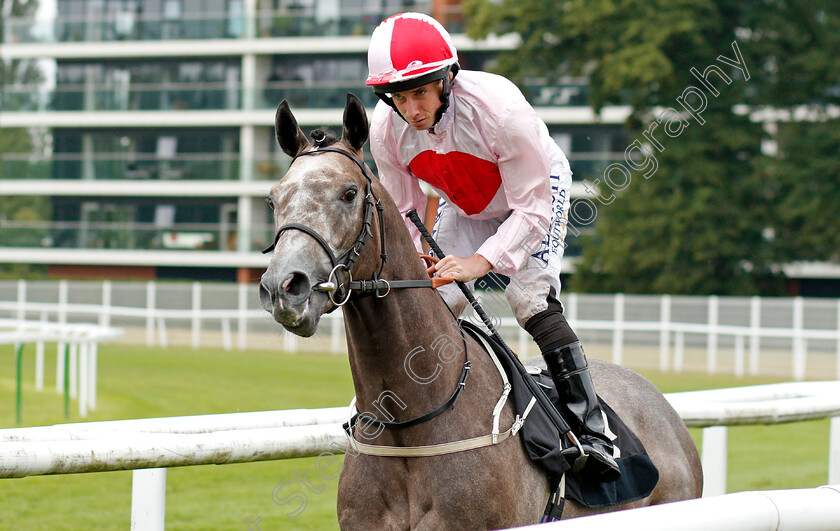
{"x": 270, "y": 203}
{"x": 349, "y": 195}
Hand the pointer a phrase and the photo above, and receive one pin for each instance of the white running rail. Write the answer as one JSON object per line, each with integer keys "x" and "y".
{"x": 146, "y": 445}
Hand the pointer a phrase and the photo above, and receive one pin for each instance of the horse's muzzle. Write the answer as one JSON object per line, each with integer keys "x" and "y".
{"x": 285, "y": 299}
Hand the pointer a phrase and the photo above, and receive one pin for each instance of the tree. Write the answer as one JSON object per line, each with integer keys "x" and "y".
{"x": 806, "y": 175}
{"x": 695, "y": 214}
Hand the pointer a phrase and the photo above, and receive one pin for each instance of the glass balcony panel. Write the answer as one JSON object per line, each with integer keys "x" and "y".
{"x": 116, "y": 23}
{"x": 302, "y": 95}
{"x": 542, "y": 93}
{"x": 141, "y": 97}
{"x": 221, "y": 96}
{"x": 146, "y": 236}
{"x": 592, "y": 166}
{"x": 116, "y": 235}
{"x": 205, "y": 166}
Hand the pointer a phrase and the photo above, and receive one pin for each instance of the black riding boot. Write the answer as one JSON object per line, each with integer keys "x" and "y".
{"x": 567, "y": 364}
{"x": 570, "y": 373}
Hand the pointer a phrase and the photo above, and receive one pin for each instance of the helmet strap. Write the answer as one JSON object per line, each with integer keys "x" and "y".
{"x": 446, "y": 91}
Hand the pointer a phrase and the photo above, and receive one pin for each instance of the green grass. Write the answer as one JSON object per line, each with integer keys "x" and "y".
{"x": 137, "y": 382}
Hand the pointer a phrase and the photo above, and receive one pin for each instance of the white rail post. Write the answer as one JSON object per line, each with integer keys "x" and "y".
{"x": 39, "y": 357}
{"x": 84, "y": 393}
{"x": 739, "y": 356}
{"x": 196, "y": 315}
{"x": 618, "y": 331}
{"x": 60, "y": 368}
{"x": 522, "y": 348}
{"x": 93, "y": 352}
{"x": 714, "y": 461}
{"x": 572, "y": 309}
{"x": 335, "y": 332}
{"x": 148, "y": 499}
{"x": 290, "y": 342}
{"x": 74, "y": 369}
{"x": 711, "y": 339}
{"x": 242, "y": 328}
{"x": 21, "y": 300}
{"x": 664, "y": 331}
{"x": 39, "y": 366}
{"x": 679, "y": 350}
{"x": 755, "y": 334}
{"x": 62, "y": 302}
{"x": 798, "y": 341}
{"x": 227, "y": 342}
{"x": 105, "y": 313}
{"x": 150, "y": 313}
{"x": 164, "y": 338}
{"x": 834, "y": 452}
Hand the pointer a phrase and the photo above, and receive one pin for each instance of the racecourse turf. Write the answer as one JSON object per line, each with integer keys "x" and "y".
{"x": 139, "y": 382}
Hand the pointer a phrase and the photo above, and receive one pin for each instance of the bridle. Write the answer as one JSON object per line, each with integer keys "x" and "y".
{"x": 338, "y": 292}
{"x": 346, "y": 260}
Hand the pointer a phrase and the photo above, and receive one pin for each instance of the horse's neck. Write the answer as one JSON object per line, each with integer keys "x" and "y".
{"x": 406, "y": 353}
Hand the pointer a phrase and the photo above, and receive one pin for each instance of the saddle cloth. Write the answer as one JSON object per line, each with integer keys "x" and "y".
{"x": 542, "y": 442}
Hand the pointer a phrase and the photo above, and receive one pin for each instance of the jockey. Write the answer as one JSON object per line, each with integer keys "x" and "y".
{"x": 504, "y": 188}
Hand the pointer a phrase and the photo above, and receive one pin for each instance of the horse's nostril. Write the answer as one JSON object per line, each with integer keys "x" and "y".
{"x": 266, "y": 297}
{"x": 296, "y": 284}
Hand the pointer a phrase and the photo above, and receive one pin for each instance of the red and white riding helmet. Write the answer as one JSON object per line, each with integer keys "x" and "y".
{"x": 409, "y": 50}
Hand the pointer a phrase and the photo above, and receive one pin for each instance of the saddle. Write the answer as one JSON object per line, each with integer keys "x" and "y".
{"x": 544, "y": 446}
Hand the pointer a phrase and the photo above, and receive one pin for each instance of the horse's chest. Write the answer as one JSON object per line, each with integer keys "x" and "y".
{"x": 390, "y": 494}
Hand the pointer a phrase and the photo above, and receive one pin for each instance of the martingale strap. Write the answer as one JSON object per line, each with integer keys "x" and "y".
{"x": 495, "y": 437}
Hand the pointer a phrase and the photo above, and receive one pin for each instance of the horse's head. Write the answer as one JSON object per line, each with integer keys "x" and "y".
{"x": 319, "y": 211}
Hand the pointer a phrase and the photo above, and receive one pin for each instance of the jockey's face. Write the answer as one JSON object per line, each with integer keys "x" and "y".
{"x": 420, "y": 105}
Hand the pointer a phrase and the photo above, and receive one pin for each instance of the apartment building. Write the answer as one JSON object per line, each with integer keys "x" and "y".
{"x": 147, "y": 137}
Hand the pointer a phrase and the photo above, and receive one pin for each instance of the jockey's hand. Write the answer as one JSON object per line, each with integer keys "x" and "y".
{"x": 460, "y": 268}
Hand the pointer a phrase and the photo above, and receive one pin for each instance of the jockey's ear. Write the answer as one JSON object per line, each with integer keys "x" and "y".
{"x": 355, "y": 130}
{"x": 289, "y": 136}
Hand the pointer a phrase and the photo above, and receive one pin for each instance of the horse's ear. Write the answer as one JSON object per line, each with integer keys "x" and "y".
{"x": 289, "y": 136}
{"x": 355, "y": 130}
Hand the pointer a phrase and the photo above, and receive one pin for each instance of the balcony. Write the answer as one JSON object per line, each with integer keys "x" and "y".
{"x": 129, "y": 235}
{"x": 122, "y": 24}
{"x": 182, "y": 96}
{"x": 146, "y": 236}
{"x": 108, "y": 166}
{"x": 221, "y": 96}
{"x": 199, "y": 166}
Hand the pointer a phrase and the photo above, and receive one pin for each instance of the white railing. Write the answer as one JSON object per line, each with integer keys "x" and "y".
{"x": 76, "y": 356}
{"x": 680, "y": 326}
{"x": 770, "y": 510}
{"x": 148, "y": 444}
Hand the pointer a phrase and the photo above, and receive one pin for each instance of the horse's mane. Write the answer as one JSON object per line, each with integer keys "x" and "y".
{"x": 323, "y": 137}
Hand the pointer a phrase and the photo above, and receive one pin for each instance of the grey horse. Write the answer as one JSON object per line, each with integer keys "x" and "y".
{"x": 406, "y": 358}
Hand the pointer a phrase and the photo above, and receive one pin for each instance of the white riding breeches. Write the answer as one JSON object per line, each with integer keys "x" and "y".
{"x": 531, "y": 284}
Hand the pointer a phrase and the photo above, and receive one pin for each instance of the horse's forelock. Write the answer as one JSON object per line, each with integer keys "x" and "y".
{"x": 323, "y": 137}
